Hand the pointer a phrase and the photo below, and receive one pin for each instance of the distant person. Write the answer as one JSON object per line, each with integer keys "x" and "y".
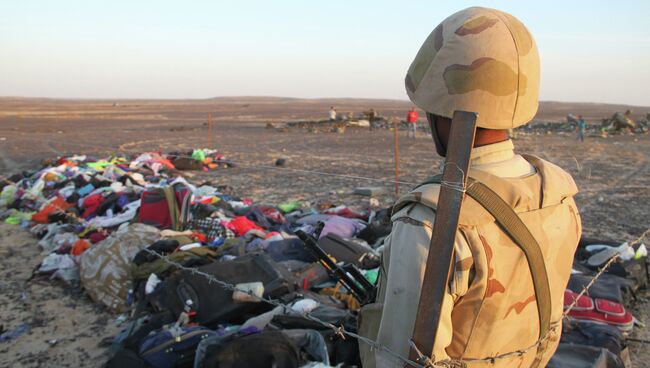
{"x": 371, "y": 118}
{"x": 581, "y": 128}
{"x": 412, "y": 121}
{"x": 332, "y": 113}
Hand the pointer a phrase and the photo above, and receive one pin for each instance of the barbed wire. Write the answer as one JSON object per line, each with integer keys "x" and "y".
{"x": 340, "y": 330}
{"x": 600, "y": 272}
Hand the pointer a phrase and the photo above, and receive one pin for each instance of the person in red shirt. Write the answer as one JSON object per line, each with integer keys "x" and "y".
{"x": 412, "y": 120}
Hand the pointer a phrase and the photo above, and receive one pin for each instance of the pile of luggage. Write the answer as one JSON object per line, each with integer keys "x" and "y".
{"x": 212, "y": 279}
{"x": 208, "y": 277}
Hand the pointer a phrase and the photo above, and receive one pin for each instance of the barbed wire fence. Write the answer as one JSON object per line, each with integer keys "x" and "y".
{"x": 339, "y": 330}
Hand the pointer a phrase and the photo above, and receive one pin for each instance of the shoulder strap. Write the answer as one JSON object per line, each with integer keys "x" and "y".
{"x": 172, "y": 205}
{"x": 510, "y": 222}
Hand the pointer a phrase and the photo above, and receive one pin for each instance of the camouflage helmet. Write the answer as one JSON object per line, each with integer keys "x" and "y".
{"x": 481, "y": 60}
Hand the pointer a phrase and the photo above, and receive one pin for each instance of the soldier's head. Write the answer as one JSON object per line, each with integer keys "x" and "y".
{"x": 480, "y": 60}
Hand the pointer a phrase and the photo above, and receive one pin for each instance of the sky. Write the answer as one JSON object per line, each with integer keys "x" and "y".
{"x": 591, "y": 51}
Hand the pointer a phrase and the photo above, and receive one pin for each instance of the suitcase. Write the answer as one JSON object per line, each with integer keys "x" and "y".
{"x": 213, "y": 303}
{"x": 610, "y": 287}
{"x": 312, "y": 275}
{"x": 349, "y": 251}
{"x": 164, "y": 349}
{"x": 166, "y": 207}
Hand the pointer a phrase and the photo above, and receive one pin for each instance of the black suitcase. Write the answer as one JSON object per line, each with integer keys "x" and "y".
{"x": 349, "y": 251}
{"x": 312, "y": 275}
{"x": 212, "y": 302}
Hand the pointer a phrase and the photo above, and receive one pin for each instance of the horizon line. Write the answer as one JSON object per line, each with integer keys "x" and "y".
{"x": 118, "y": 99}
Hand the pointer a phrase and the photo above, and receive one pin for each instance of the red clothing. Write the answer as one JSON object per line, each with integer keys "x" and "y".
{"x": 412, "y": 117}
{"x": 241, "y": 225}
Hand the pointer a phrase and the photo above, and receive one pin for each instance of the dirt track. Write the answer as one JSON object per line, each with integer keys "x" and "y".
{"x": 613, "y": 174}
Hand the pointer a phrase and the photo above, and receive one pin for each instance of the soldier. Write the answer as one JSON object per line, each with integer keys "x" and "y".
{"x": 484, "y": 61}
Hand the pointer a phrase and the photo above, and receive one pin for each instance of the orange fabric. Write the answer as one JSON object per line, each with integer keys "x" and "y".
{"x": 57, "y": 205}
{"x": 79, "y": 247}
{"x": 50, "y": 177}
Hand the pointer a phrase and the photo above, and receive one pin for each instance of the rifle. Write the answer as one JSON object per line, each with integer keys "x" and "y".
{"x": 347, "y": 274}
{"x": 445, "y": 225}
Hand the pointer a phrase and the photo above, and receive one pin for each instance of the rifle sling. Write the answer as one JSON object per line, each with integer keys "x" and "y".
{"x": 512, "y": 225}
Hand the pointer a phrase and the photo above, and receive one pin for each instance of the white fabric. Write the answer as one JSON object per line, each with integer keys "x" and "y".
{"x": 128, "y": 214}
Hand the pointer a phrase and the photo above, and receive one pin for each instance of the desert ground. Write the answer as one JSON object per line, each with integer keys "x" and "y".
{"x": 68, "y": 330}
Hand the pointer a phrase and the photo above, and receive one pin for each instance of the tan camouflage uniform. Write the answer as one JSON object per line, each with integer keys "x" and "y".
{"x": 485, "y": 61}
{"x": 490, "y": 305}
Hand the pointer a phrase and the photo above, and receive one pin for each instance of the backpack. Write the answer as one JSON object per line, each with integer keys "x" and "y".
{"x": 131, "y": 336}
{"x": 341, "y": 351}
{"x": 165, "y": 207}
{"x": 260, "y": 350}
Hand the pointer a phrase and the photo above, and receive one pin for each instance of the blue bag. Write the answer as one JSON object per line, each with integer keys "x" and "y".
{"x": 162, "y": 349}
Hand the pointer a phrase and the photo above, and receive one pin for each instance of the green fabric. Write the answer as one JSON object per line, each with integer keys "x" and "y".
{"x": 198, "y": 155}
{"x": 160, "y": 266}
{"x": 99, "y": 165}
{"x": 8, "y": 193}
{"x": 16, "y": 217}
{"x": 13, "y": 220}
{"x": 290, "y": 206}
{"x": 372, "y": 275}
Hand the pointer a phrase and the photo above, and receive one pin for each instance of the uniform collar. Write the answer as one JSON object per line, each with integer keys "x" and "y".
{"x": 492, "y": 153}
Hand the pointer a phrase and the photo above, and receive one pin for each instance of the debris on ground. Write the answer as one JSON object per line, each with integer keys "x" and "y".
{"x": 197, "y": 273}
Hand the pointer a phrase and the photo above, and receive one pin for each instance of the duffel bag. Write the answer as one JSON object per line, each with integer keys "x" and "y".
{"x": 169, "y": 349}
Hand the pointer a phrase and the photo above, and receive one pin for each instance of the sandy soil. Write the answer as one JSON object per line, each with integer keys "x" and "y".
{"x": 613, "y": 175}
{"x": 66, "y": 328}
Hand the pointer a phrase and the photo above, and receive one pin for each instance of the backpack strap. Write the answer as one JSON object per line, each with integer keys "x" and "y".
{"x": 512, "y": 225}
{"x": 174, "y": 211}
